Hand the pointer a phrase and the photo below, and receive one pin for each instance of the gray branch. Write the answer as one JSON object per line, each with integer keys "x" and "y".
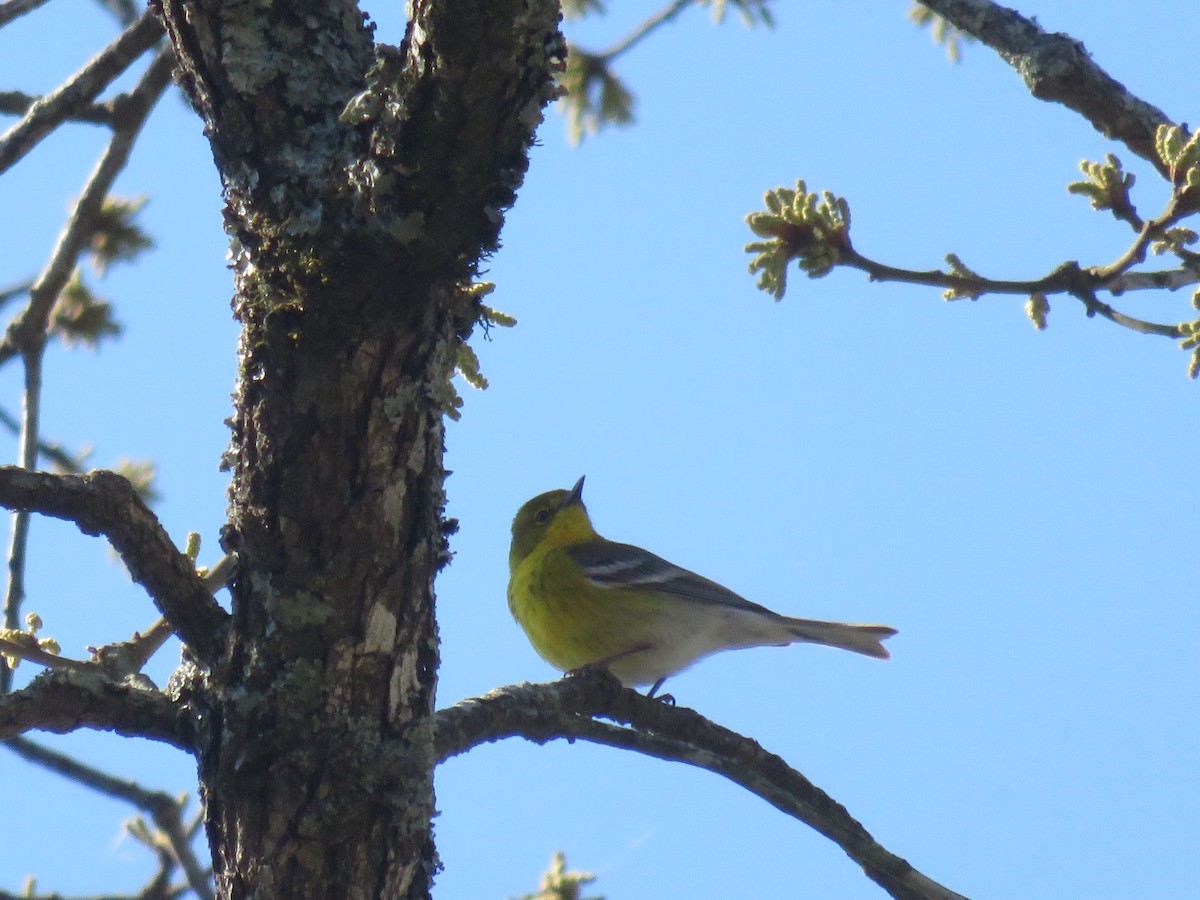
{"x": 164, "y": 809}
{"x": 60, "y": 702}
{"x": 53, "y": 109}
{"x": 18, "y": 103}
{"x": 1057, "y": 68}
{"x": 570, "y": 710}
{"x": 29, "y": 327}
{"x": 14, "y": 9}
{"x": 106, "y": 503}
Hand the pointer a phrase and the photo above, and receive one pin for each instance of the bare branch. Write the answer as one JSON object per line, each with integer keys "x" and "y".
{"x": 1068, "y": 278}
{"x": 29, "y": 327}
{"x": 1057, "y": 68}
{"x": 131, "y": 792}
{"x": 569, "y": 709}
{"x": 54, "y": 453}
{"x": 14, "y": 9}
{"x": 42, "y": 657}
{"x": 54, "y": 108}
{"x": 18, "y": 103}
{"x": 105, "y": 503}
{"x": 65, "y": 701}
{"x": 30, "y": 424}
{"x": 1177, "y": 209}
{"x": 26, "y": 334}
{"x": 1163, "y": 279}
{"x": 124, "y": 11}
{"x": 158, "y": 888}
{"x": 171, "y": 824}
{"x": 643, "y": 31}
{"x": 13, "y": 291}
{"x": 124, "y": 658}
{"x": 164, "y": 809}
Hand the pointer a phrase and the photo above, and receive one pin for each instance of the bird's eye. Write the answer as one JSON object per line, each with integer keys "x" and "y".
{"x": 542, "y": 517}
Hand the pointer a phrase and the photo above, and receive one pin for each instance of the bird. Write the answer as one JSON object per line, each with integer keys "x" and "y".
{"x": 587, "y": 603}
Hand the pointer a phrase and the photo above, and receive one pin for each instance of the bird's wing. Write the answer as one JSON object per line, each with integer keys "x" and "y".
{"x": 611, "y": 565}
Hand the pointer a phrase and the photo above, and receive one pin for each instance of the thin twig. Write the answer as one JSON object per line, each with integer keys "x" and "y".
{"x": 14, "y": 9}
{"x": 18, "y": 103}
{"x": 26, "y": 334}
{"x": 37, "y": 655}
{"x": 53, "y": 453}
{"x": 1148, "y": 232}
{"x": 125, "y": 658}
{"x": 131, "y": 792}
{"x": 30, "y": 433}
{"x": 1066, "y": 279}
{"x": 31, "y": 323}
{"x": 1163, "y": 279}
{"x": 9, "y": 294}
{"x": 124, "y": 11}
{"x": 157, "y": 889}
{"x": 644, "y": 30}
{"x": 164, "y": 809}
{"x": 197, "y": 876}
{"x": 81, "y": 89}
{"x": 17, "y": 552}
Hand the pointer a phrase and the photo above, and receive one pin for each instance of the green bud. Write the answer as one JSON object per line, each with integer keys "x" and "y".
{"x": 1036, "y": 308}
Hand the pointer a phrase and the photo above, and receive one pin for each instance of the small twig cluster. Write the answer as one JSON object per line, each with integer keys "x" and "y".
{"x": 798, "y": 226}
{"x": 593, "y": 95}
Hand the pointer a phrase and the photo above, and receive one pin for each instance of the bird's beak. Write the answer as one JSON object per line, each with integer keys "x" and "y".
{"x": 575, "y": 498}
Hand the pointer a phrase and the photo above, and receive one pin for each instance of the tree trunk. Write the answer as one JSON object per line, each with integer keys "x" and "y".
{"x": 363, "y": 184}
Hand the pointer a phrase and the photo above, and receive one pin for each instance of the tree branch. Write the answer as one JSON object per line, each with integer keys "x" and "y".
{"x": 42, "y": 657}
{"x": 164, "y": 809}
{"x": 1058, "y": 69}
{"x": 60, "y": 702}
{"x": 1068, "y": 278}
{"x": 26, "y": 334}
{"x": 106, "y": 503}
{"x": 18, "y": 103}
{"x": 81, "y": 89}
{"x": 55, "y": 454}
{"x": 30, "y": 433}
{"x": 569, "y": 709}
{"x": 643, "y": 31}
{"x": 158, "y": 888}
{"x": 30, "y": 325}
{"x": 14, "y": 9}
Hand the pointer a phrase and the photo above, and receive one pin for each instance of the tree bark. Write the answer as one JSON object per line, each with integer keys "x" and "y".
{"x": 363, "y": 184}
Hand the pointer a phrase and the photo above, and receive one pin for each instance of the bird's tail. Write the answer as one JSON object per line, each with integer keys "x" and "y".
{"x": 864, "y": 639}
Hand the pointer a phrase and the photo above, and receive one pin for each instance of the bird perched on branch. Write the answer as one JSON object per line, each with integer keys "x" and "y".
{"x": 587, "y": 602}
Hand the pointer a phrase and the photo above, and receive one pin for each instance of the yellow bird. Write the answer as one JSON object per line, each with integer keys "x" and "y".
{"x": 587, "y": 602}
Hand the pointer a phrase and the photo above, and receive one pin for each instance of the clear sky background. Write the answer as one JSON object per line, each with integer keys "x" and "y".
{"x": 1018, "y": 504}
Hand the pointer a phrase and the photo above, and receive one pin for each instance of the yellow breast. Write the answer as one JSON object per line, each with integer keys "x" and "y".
{"x": 570, "y": 621}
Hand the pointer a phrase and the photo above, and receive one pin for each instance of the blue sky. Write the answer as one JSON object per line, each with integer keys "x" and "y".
{"x": 1014, "y": 502}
